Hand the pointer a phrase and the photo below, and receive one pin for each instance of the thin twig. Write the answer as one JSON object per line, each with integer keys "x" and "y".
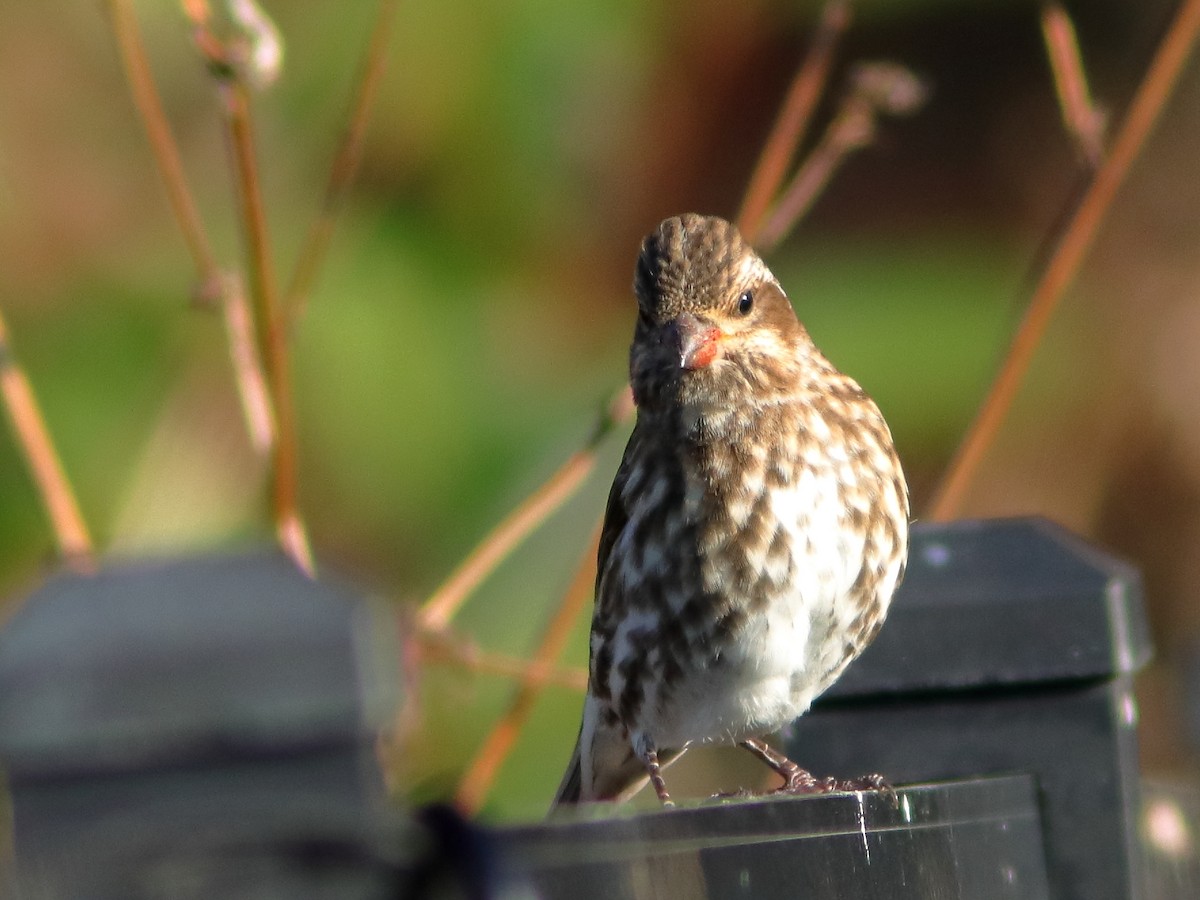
{"x": 249, "y": 377}
{"x": 214, "y": 52}
{"x": 269, "y": 320}
{"x": 439, "y": 609}
{"x": 33, "y": 437}
{"x": 850, "y": 130}
{"x": 447, "y": 649}
{"x": 162, "y": 144}
{"x": 213, "y": 286}
{"x": 235, "y": 66}
{"x": 345, "y": 165}
{"x": 1081, "y": 118}
{"x": 233, "y": 69}
{"x": 1143, "y": 112}
{"x": 876, "y": 89}
{"x": 794, "y": 116}
{"x": 481, "y": 773}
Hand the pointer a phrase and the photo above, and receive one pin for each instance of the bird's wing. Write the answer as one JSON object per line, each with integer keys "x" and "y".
{"x": 616, "y": 516}
{"x": 615, "y": 519}
{"x": 571, "y": 788}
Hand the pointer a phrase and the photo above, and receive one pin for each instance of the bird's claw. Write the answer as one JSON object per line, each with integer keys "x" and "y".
{"x": 805, "y": 783}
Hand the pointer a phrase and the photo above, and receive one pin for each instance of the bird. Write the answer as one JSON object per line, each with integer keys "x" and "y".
{"x": 755, "y": 532}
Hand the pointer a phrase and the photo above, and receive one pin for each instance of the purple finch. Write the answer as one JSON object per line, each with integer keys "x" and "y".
{"x": 756, "y": 530}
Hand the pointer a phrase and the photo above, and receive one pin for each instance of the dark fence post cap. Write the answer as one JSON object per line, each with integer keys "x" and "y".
{"x": 1003, "y": 601}
{"x": 174, "y": 661}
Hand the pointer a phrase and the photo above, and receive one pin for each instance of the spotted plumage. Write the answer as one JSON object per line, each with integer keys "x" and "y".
{"x": 756, "y": 528}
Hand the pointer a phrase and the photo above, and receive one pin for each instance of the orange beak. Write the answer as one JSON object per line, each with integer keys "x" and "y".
{"x": 699, "y": 343}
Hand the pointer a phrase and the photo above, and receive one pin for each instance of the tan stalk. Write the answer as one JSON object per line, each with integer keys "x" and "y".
{"x": 45, "y": 467}
{"x": 1060, "y": 271}
{"x": 213, "y": 285}
{"x": 481, "y": 774}
{"x": 345, "y": 165}
{"x": 1082, "y": 119}
{"x": 793, "y": 119}
{"x": 437, "y": 611}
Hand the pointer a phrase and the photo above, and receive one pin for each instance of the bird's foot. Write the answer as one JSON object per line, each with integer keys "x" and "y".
{"x": 802, "y": 782}
{"x": 650, "y": 760}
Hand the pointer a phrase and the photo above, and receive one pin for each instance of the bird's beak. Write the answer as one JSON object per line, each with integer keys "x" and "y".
{"x": 698, "y": 342}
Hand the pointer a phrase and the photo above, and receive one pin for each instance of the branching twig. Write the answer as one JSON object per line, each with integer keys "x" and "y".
{"x": 449, "y": 649}
{"x": 1143, "y": 112}
{"x": 793, "y": 119}
{"x": 272, "y": 330}
{"x": 1082, "y": 119}
{"x": 235, "y": 65}
{"x": 162, "y": 143}
{"x": 441, "y": 606}
{"x": 32, "y": 436}
{"x": 213, "y": 287}
{"x": 876, "y": 89}
{"x": 345, "y": 164}
{"x": 481, "y": 773}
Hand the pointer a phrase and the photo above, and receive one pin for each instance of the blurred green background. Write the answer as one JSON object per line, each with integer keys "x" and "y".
{"x": 475, "y": 310}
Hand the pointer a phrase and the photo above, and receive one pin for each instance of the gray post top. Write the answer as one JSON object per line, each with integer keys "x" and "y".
{"x": 1003, "y": 602}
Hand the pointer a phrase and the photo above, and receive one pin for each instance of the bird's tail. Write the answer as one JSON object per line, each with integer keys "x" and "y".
{"x": 623, "y": 777}
{"x": 570, "y": 790}
{"x": 615, "y": 772}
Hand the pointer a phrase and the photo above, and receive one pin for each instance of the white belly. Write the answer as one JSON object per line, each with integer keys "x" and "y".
{"x": 775, "y": 668}
{"x": 756, "y": 687}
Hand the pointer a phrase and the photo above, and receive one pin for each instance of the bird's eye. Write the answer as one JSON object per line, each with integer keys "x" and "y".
{"x": 745, "y": 303}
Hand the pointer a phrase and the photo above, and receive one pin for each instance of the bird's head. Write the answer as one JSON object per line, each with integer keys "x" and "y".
{"x": 712, "y": 319}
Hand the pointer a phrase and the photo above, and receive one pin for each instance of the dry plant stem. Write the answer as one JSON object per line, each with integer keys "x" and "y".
{"x": 33, "y": 438}
{"x": 208, "y": 44}
{"x": 440, "y": 608}
{"x": 166, "y": 152}
{"x": 444, "y": 648}
{"x": 794, "y": 116}
{"x": 850, "y": 130}
{"x": 876, "y": 89}
{"x": 435, "y": 614}
{"x": 214, "y": 286}
{"x": 345, "y": 164}
{"x": 1081, "y": 118}
{"x": 1143, "y": 112}
{"x": 249, "y": 377}
{"x": 481, "y": 773}
{"x": 272, "y": 331}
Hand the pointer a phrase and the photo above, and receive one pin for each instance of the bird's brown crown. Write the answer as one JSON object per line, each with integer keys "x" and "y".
{"x": 712, "y": 318}
{"x": 690, "y": 260}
